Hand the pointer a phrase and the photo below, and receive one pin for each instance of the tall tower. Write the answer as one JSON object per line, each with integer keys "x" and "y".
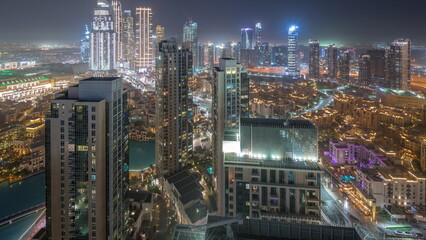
{"x": 87, "y": 162}
{"x": 103, "y": 39}
{"x": 128, "y": 36}
{"x": 246, "y": 38}
{"x": 314, "y": 53}
{"x": 398, "y": 64}
{"x": 293, "y": 35}
{"x": 230, "y": 102}
{"x": 85, "y": 46}
{"x": 160, "y": 33}
{"x": 190, "y": 38}
{"x": 365, "y": 70}
{"x": 377, "y": 62}
{"x": 344, "y": 66}
{"x": 173, "y": 140}
{"x": 258, "y": 32}
{"x": 144, "y": 41}
{"x": 118, "y": 25}
{"x": 332, "y": 61}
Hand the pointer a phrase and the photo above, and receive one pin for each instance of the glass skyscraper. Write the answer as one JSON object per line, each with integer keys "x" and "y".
{"x": 258, "y": 32}
{"x": 190, "y": 37}
{"x": 398, "y": 64}
{"x": 314, "y": 59}
{"x": 293, "y": 35}
{"x": 246, "y": 38}
{"x": 85, "y": 46}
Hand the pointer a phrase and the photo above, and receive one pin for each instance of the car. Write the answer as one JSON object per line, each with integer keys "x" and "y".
{"x": 419, "y": 234}
{"x": 398, "y": 232}
{"x": 407, "y": 233}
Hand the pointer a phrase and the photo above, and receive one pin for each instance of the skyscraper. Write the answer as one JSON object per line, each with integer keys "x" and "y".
{"x": 332, "y": 61}
{"x": 258, "y": 32}
{"x": 246, "y": 38}
{"x": 144, "y": 40}
{"x": 103, "y": 39}
{"x": 365, "y": 70}
{"x": 377, "y": 62}
{"x": 87, "y": 176}
{"x": 314, "y": 59}
{"x": 293, "y": 34}
{"x": 118, "y": 25}
{"x": 190, "y": 38}
{"x": 160, "y": 33}
{"x": 230, "y": 102}
{"x": 344, "y": 66}
{"x": 85, "y": 46}
{"x": 173, "y": 139}
{"x": 398, "y": 64}
{"x": 128, "y": 37}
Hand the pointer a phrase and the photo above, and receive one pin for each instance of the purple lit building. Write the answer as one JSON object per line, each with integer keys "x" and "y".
{"x": 342, "y": 153}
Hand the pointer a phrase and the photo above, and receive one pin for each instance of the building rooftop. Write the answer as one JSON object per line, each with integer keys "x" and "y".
{"x": 99, "y": 79}
{"x": 372, "y": 173}
{"x": 188, "y": 186}
{"x": 279, "y": 123}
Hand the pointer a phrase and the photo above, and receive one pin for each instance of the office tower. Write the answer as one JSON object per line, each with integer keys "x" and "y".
{"x": 144, "y": 41}
{"x": 246, "y": 38}
{"x": 128, "y": 36}
{"x": 398, "y": 64}
{"x": 279, "y": 55}
{"x": 87, "y": 162}
{"x": 118, "y": 24}
{"x": 293, "y": 34}
{"x": 258, "y": 32}
{"x": 230, "y": 102}
{"x": 210, "y": 55}
{"x": 85, "y": 46}
{"x": 272, "y": 173}
{"x": 314, "y": 59}
{"x": 344, "y": 66}
{"x": 332, "y": 61}
{"x": 173, "y": 140}
{"x": 190, "y": 39}
{"x": 160, "y": 33}
{"x": 365, "y": 70}
{"x": 103, "y": 39}
{"x": 377, "y": 62}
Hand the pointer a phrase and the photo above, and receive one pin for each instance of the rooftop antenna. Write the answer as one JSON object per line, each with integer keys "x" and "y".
{"x": 186, "y": 14}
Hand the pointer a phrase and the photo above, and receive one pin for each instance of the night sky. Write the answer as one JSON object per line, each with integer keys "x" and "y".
{"x": 343, "y": 21}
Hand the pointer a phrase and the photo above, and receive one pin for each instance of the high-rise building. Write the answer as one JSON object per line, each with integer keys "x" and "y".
{"x": 398, "y": 65}
{"x": 258, "y": 33}
{"x": 279, "y": 55}
{"x": 210, "y": 54}
{"x": 173, "y": 139}
{"x": 85, "y": 46}
{"x": 332, "y": 61}
{"x": 365, "y": 70}
{"x": 128, "y": 37}
{"x": 377, "y": 62}
{"x": 87, "y": 162}
{"x": 230, "y": 102}
{"x": 344, "y": 66}
{"x": 293, "y": 35}
{"x": 103, "y": 39}
{"x": 273, "y": 167}
{"x": 246, "y": 38}
{"x": 118, "y": 25}
{"x": 314, "y": 59}
{"x": 190, "y": 39}
{"x": 160, "y": 33}
{"x": 144, "y": 40}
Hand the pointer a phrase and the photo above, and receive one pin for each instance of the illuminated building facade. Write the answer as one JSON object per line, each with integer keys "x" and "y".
{"x": 85, "y": 46}
{"x": 87, "y": 162}
{"x": 293, "y": 35}
{"x": 160, "y": 33}
{"x": 144, "y": 40}
{"x": 118, "y": 27}
{"x": 365, "y": 70}
{"x": 258, "y": 32}
{"x": 190, "y": 39}
{"x": 398, "y": 64}
{"x": 103, "y": 39}
{"x": 344, "y": 66}
{"x": 128, "y": 36}
{"x": 247, "y": 38}
{"x": 173, "y": 107}
{"x": 314, "y": 59}
{"x": 332, "y": 61}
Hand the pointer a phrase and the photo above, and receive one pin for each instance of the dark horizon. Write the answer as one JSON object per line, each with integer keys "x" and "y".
{"x": 219, "y": 21}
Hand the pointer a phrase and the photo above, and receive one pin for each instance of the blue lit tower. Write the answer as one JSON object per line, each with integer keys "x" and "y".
{"x": 293, "y": 34}
{"x": 246, "y": 38}
{"x": 190, "y": 38}
{"x": 258, "y": 32}
{"x": 85, "y": 46}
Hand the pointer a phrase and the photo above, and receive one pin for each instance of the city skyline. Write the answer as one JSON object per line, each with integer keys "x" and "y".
{"x": 314, "y": 19}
